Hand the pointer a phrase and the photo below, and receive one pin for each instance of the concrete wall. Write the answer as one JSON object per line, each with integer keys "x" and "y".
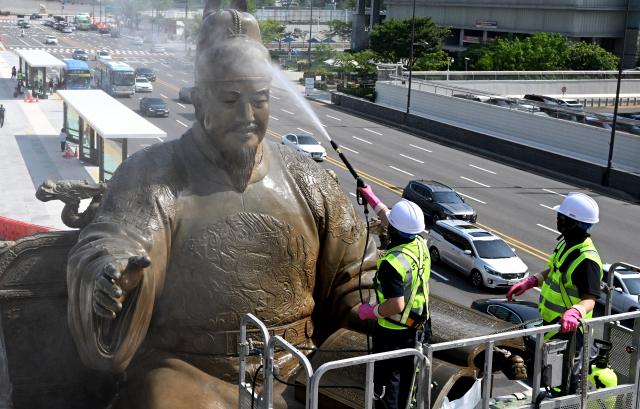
{"x": 538, "y": 159}
{"x": 559, "y": 136}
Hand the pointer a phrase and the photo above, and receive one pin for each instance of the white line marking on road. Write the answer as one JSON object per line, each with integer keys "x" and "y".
{"x": 400, "y": 170}
{"x": 417, "y": 147}
{"x": 332, "y": 117}
{"x": 165, "y": 65}
{"x": 548, "y": 228}
{"x": 186, "y": 126}
{"x": 362, "y": 140}
{"x": 273, "y": 118}
{"x": 164, "y": 96}
{"x": 304, "y": 131}
{"x": 287, "y": 111}
{"x": 555, "y": 193}
{"x": 351, "y": 150}
{"x": 477, "y": 167}
{"x": 472, "y": 198}
{"x": 298, "y": 105}
{"x": 160, "y": 139}
{"x": 439, "y": 275}
{"x": 185, "y": 81}
{"x": 537, "y": 289}
{"x": 273, "y": 96}
{"x": 551, "y": 208}
{"x": 170, "y": 75}
{"x": 470, "y": 180}
{"x": 409, "y": 157}
{"x": 372, "y": 131}
{"x": 352, "y": 194}
{"x": 180, "y": 104}
{"x": 524, "y": 385}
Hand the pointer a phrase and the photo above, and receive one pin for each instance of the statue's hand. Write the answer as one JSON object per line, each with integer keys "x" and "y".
{"x": 114, "y": 282}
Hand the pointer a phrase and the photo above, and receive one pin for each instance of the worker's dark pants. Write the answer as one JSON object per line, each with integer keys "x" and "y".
{"x": 1, "y": 120}
{"x": 575, "y": 369}
{"x": 62, "y": 145}
{"x": 395, "y": 374}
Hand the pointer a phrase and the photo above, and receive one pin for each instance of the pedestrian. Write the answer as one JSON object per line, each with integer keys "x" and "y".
{"x": 402, "y": 298}
{"x": 19, "y": 75}
{"x": 50, "y": 86}
{"x": 571, "y": 283}
{"x": 63, "y": 139}
{"x": 2, "y": 111}
{"x": 13, "y": 73}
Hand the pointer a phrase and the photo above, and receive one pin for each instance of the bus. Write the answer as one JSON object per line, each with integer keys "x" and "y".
{"x": 114, "y": 77}
{"x": 75, "y": 75}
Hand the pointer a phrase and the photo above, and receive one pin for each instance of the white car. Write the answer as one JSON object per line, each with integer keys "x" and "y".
{"x": 67, "y": 29}
{"x": 136, "y": 41}
{"x": 570, "y": 103}
{"x": 476, "y": 252}
{"x": 102, "y": 55}
{"x": 626, "y": 290}
{"x": 306, "y": 144}
{"x": 157, "y": 48}
{"x": 143, "y": 85}
{"x": 50, "y": 40}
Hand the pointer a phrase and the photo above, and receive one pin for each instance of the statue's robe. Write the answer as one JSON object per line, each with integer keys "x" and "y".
{"x": 288, "y": 250}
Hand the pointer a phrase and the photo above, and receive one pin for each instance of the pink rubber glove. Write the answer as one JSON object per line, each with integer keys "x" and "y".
{"x": 365, "y": 312}
{"x": 569, "y": 321}
{"x": 367, "y": 193}
{"x": 522, "y": 286}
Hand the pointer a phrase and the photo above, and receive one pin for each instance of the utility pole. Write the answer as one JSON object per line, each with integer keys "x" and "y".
{"x": 310, "y": 30}
{"x": 186, "y": 17}
{"x": 413, "y": 33}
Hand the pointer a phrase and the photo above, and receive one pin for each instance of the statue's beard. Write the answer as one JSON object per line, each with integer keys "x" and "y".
{"x": 239, "y": 164}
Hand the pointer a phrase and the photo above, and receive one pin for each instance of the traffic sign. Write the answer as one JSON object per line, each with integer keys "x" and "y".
{"x": 564, "y": 89}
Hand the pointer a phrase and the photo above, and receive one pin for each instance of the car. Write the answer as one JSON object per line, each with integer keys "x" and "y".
{"x": 570, "y": 103}
{"x": 146, "y": 73}
{"x": 566, "y": 116}
{"x": 143, "y": 85}
{"x": 540, "y": 113}
{"x": 630, "y": 115}
{"x": 23, "y": 24}
{"x": 67, "y": 29}
{"x": 513, "y": 312}
{"x": 628, "y": 128}
{"x": 93, "y": 27}
{"x": 49, "y": 23}
{"x": 104, "y": 30}
{"x": 476, "y": 252}
{"x": 102, "y": 55}
{"x": 136, "y": 41}
{"x": 185, "y": 94}
{"x": 35, "y": 16}
{"x": 510, "y": 104}
{"x": 80, "y": 55}
{"x": 115, "y": 34}
{"x": 542, "y": 98}
{"x": 438, "y": 201}
{"x": 154, "y": 106}
{"x": 306, "y": 144}
{"x": 50, "y": 40}
{"x": 471, "y": 97}
{"x": 157, "y": 48}
{"x": 626, "y": 290}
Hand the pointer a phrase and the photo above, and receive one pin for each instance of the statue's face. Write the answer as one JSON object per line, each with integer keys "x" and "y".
{"x": 235, "y": 114}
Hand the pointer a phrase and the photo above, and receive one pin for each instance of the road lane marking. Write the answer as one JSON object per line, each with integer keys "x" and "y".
{"x": 186, "y": 126}
{"x": 350, "y": 150}
{"x": 352, "y": 194}
{"x": 273, "y": 96}
{"x": 372, "y": 131}
{"x": 555, "y": 193}
{"x": 409, "y": 157}
{"x": 362, "y": 140}
{"x": 273, "y": 118}
{"x": 470, "y": 180}
{"x": 170, "y": 75}
{"x": 332, "y": 117}
{"x": 287, "y": 111}
{"x": 477, "y": 167}
{"x": 165, "y": 65}
{"x": 164, "y": 96}
{"x": 551, "y": 208}
{"x": 548, "y": 228}
{"x": 472, "y": 198}
{"x": 400, "y": 170}
{"x": 304, "y": 131}
{"x": 181, "y": 105}
{"x": 439, "y": 275}
{"x": 185, "y": 81}
{"x": 423, "y": 149}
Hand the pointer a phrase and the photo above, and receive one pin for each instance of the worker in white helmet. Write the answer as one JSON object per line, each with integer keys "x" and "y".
{"x": 402, "y": 297}
{"x": 571, "y": 282}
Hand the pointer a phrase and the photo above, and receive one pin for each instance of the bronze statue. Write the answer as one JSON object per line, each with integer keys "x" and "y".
{"x": 195, "y": 232}
{"x": 71, "y": 192}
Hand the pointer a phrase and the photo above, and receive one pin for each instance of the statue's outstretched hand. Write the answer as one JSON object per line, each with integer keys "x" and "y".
{"x": 114, "y": 281}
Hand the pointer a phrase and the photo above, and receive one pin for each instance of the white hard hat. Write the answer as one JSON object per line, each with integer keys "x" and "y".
{"x": 407, "y": 217}
{"x": 579, "y": 207}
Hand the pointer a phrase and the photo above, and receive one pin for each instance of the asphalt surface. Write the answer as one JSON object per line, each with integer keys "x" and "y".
{"x": 511, "y": 202}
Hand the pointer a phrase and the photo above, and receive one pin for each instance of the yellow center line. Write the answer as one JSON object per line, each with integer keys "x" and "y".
{"x": 168, "y": 85}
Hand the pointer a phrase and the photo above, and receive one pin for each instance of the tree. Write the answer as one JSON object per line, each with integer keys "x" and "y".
{"x": 590, "y": 57}
{"x": 339, "y": 28}
{"x": 298, "y": 33}
{"x": 392, "y": 40}
{"x": 349, "y": 4}
{"x": 539, "y": 52}
{"x": 193, "y": 25}
{"x": 130, "y": 9}
{"x": 366, "y": 62}
{"x": 431, "y": 62}
{"x": 325, "y": 52}
{"x": 270, "y": 29}
{"x": 345, "y": 63}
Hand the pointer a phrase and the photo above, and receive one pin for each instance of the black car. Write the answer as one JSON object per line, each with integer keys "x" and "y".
{"x": 93, "y": 27}
{"x": 185, "y": 94}
{"x": 35, "y": 16}
{"x": 154, "y": 106}
{"x": 146, "y": 72}
{"x": 23, "y": 24}
{"x": 80, "y": 55}
{"x": 514, "y": 312}
{"x": 115, "y": 34}
{"x": 438, "y": 201}
{"x": 104, "y": 30}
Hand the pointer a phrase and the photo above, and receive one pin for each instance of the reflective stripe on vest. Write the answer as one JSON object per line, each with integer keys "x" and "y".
{"x": 412, "y": 262}
{"x": 559, "y": 293}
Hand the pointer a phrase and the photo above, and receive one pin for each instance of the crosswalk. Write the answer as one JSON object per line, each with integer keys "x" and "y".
{"x": 61, "y": 50}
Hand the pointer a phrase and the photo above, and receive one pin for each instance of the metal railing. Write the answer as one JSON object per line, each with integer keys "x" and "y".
{"x": 521, "y": 75}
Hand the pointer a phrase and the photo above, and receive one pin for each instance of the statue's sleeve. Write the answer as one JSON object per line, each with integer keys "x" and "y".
{"x": 343, "y": 237}
{"x": 135, "y": 219}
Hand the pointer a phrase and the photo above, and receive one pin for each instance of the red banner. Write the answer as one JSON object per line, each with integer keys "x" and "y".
{"x": 486, "y": 24}
{"x": 475, "y": 39}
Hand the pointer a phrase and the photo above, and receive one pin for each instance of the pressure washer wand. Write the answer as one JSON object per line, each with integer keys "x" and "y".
{"x": 360, "y": 183}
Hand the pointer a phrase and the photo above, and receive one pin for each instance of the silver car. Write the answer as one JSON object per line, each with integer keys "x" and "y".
{"x": 306, "y": 144}
{"x": 477, "y": 252}
{"x": 626, "y": 290}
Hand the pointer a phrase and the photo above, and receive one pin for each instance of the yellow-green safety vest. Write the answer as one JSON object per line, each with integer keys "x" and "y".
{"x": 559, "y": 293}
{"x": 413, "y": 263}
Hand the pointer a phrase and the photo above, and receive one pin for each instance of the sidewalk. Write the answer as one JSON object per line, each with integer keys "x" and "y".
{"x": 319, "y": 95}
{"x": 30, "y": 153}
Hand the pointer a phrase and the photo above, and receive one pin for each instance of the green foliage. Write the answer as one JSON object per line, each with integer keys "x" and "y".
{"x": 325, "y": 52}
{"x": 193, "y": 25}
{"x": 345, "y": 63}
{"x": 348, "y": 4}
{"x": 358, "y": 92}
{"x": 339, "y": 28}
{"x": 299, "y": 33}
{"x": 366, "y": 62}
{"x": 270, "y": 29}
{"x": 392, "y": 40}
{"x": 431, "y": 62}
{"x": 590, "y": 57}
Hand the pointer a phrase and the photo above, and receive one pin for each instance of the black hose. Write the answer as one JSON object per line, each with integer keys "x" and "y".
{"x": 253, "y": 387}
{"x": 364, "y": 254}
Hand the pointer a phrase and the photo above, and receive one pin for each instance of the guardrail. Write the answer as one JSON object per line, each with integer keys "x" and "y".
{"x": 521, "y": 75}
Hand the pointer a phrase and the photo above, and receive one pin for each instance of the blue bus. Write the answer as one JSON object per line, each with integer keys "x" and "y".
{"x": 114, "y": 77}
{"x": 75, "y": 75}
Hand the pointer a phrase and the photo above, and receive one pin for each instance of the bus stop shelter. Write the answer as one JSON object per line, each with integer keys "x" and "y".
{"x": 106, "y": 131}
{"x": 34, "y": 64}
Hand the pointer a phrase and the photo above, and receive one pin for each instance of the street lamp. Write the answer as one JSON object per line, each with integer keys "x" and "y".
{"x": 466, "y": 61}
{"x": 450, "y": 60}
{"x": 413, "y": 35}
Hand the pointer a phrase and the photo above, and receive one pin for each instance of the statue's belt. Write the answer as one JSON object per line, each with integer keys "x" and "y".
{"x": 226, "y": 342}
